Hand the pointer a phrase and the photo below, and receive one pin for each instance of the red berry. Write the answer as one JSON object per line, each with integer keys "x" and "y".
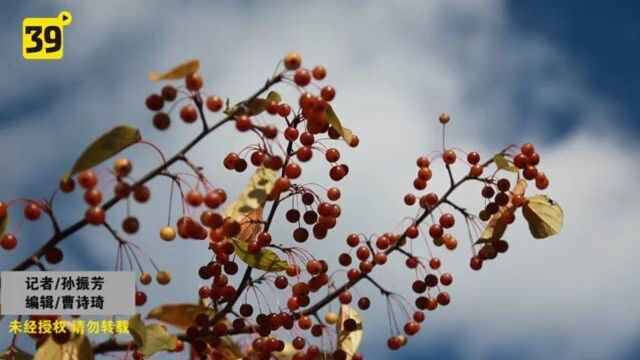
{"x": 154, "y": 102}
{"x": 447, "y": 221}
{"x": 53, "y": 255}
{"x": 527, "y": 149}
{"x": 8, "y": 242}
{"x": 449, "y": 157}
{"x": 436, "y": 231}
{"x": 476, "y": 263}
{"x": 319, "y": 72}
{"x": 87, "y": 179}
{"x": 243, "y": 123}
{"x": 189, "y": 114}
{"x": 328, "y": 93}
{"x": 161, "y": 121}
{"x": 193, "y": 81}
{"x": 141, "y": 298}
{"x": 291, "y": 133}
{"x": 214, "y": 103}
{"x": 473, "y": 158}
{"x": 95, "y": 215}
{"x": 434, "y": 263}
{"x": 32, "y": 211}
{"x": 169, "y": 93}
{"x": 302, "y": 77}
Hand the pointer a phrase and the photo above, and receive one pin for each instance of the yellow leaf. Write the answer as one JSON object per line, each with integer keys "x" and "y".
{"x": 177, "y": 72}
{"x": 254, "y": 194}
{"x": 545, "y": 216}
{"x": 346, "y": 134}
{"x": 77, "y": 348}
{"x": 106, "y": 146}
{"x": 496, "y": 228}
{"x": 150, "y": 338}
{"x": 503, "y": 164}
{"x": 179, "y": 315}
{"x": 349, "y": 341}
{"x": 265, "y": 260}
{"x": 251, "y": 224}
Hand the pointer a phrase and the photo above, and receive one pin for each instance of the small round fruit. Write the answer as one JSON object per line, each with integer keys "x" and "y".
{"x": 54, "y": 255}
{"x": 292, "y": 61}
{"x": 130, "y": 225}
{"x": 95, "y": 215}
{"x": 32, "y": 211}
{"x": 444, "y": 118}
{"x": 449, "y": 157}
{"x": 193, "y": 81}
{"x": 189, "y": 114}
{"x": 331, "y": 318}
{"x": 8, "y": 242}
{"x": 163, "y": 277}
{"x": 214, "y": 103}
{"x": 141, "y": 298}
{"x": 161, "y": 121}
{"x": 169, "y": 93}
{"x": 167, "y": 233}
{"x": 122, "y": 167}
{"x": 145, "y": 278}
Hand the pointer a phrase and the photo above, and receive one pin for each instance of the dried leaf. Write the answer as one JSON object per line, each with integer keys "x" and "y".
{"x": 17, "y": 355}
{"x": 106, "y": 146}
{"x": 349, "y": 341}
{"x": 254, "y": 194}
{"x": 179, "y": 315}
{"x": 177, "y": 72}
{"x": 265, "y": 260}
{"x": 496, "y": 228}
{"x": 77, "y": 348}
{"x": 545, "y": 216}
{"x": 503, "y": 164}
{"x": 150, "y": 338}
{"x": 346, "y": 134}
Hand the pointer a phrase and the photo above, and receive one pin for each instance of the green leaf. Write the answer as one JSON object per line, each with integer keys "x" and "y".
{"x": 106, "y": 146}
{"x": 545, "y": 216}
{"x": 503, "y": 164}
{"x": 178, "y": 72}
{"x": 256, "y": 105}
{"x": 17, "y": 355}
{"x": 77, "y": 348}
{"x": 179, "y": 315}
{"x": 150, "y": 338}
{"x": 349, "y": 341}
{"x": 274, "y": 96}
{"x": 346, "y": 134}
{"x": 266, "y": 260}
{"x": 3, "y": 225}
{"x": 254, "y": 194}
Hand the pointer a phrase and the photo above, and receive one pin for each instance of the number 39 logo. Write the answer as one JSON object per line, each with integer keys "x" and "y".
{"x": 43, "y": 38}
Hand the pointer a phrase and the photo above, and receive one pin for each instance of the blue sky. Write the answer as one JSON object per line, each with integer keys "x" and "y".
{"x": 560, "y": 74}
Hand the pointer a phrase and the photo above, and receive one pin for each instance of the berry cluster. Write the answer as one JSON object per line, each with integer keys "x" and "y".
{"x": 289, "y": 135}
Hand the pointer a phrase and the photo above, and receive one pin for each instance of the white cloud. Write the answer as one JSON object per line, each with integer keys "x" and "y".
{"x": 395, "y": 68}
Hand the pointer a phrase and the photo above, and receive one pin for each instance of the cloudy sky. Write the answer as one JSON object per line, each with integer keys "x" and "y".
{"x": 559, "y": 74}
